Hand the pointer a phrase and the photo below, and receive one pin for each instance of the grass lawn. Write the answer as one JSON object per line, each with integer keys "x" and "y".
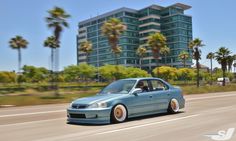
{"x": 34, "y": 97}
{"x": 207, "y": 89}
{"x": 44, "y": 98}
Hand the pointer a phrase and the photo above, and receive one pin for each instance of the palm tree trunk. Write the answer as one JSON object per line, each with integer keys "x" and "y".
{"x": 197, "y": 63}
{"x": 57, "y": 72}
{"x": 19, "y": 67}
{"x": 19, "y": 60}
{"x": 224, "y": 69}
{"x": 57, "y": 33}
{"x": 230, "y": 68}
{"x": 223, "y": 77}
{"x": 52, "y": 60}
{"x": 165, "y": 60}
{"x": 52, "y": 74}
{"x": 87, "y": 59}
{"x": 184, "y": 63}
{"x": 157, "y": 67}
{"x": 140, "y": 63}
{"x": 117, "y": 68}
{"x": 116, "y": 58}
{"x": 211, "y": 72}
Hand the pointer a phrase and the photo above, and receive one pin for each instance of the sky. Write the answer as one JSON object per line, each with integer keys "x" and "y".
{"x": 214, "y": 22}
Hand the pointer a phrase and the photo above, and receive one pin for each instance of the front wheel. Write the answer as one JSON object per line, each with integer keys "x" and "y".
{"x": 119, "y": 114}
{"x": 173, "y": 106}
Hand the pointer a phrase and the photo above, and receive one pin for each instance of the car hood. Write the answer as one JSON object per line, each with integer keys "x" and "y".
{"x": 98, "y": 98}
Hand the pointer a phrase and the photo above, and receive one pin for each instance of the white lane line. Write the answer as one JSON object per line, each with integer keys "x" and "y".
{"x": 35, "y": 113}
{"x": 210, "y": 97}
{"x": 148, "y": 124}
{"x": 45, "y": 107}
{"x": 24, "y": 123}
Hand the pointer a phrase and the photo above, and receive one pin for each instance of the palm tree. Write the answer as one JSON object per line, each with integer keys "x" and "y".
{"x": 18, "y": 43}
{"x": 57, "y": 20}
{"x": 211, "y": 56}
{"x": 86, "y": 47}
{"x": 221, "y": 57}
{"x": 184, "y": 55}
{"x": 112, "y": 29}
{"x": 165, "y": 51}
{"x": 141, "y": 51}
{"x": 195, "y": 46}
{"x": 53, "y": 44}
{"x": 156, "y": 42}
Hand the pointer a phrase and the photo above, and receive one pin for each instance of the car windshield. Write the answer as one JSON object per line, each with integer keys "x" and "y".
{"x": 119, "y": 87}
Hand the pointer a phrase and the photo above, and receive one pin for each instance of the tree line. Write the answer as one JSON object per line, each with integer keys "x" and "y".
{"x": 84, "y": 73}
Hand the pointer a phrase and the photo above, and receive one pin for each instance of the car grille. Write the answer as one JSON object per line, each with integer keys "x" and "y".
{"x": 77, "y": 116}
{"x": 78, "y": 106}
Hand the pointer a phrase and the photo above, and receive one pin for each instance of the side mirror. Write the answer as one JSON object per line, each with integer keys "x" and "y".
{"x": 136, "y": 91}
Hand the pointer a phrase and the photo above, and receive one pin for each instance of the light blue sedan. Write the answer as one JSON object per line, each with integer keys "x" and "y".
{"x": 125, "y": 99}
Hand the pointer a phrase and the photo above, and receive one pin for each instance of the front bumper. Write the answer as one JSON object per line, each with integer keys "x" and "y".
{"x": 89, "y": 116}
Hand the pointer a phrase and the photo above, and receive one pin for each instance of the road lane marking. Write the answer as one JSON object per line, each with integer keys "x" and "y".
{"x": 210, "y": 97}
{"x": 35, "y": 113}
{"x": 30, "y": 122}
{"x": 148, "y": 124}
{"x": 36, "y": 107}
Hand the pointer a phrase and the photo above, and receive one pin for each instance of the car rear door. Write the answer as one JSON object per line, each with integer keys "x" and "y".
{"x": 160, "y": 95}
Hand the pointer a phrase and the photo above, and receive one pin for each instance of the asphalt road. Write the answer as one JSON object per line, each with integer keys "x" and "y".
{"x": 204, "y": 114}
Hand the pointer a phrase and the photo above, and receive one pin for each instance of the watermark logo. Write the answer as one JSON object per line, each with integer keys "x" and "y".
{"x": 222, "y": 135}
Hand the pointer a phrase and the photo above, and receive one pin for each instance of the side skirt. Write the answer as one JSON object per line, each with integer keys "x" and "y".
{"x": 147, "y": 113}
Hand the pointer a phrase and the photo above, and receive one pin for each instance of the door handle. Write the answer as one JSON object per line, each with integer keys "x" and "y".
{"x": 150, "y": 96}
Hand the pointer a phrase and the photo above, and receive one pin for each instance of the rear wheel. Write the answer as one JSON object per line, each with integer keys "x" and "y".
{"x": 119, "y": 114}
{"x": 173, "y": 106}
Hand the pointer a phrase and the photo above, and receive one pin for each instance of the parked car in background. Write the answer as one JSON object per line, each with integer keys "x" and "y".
{"x": 127, "y": 98}
{"x": 220, "y": 81}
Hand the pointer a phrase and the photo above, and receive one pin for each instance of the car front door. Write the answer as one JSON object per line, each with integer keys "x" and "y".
{"x": 142, "y": 102}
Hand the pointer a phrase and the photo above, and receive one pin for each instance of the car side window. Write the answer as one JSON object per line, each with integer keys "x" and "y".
{"x": 158, "y": 85}
{"x": 143, "y": 84}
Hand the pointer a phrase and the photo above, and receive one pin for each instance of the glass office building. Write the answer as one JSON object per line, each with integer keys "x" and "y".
{"x": 170, "y": 21}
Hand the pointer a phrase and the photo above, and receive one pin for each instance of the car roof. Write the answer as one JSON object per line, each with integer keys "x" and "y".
{"x": 149, "y": 78}
{"x": 141, "y": 78}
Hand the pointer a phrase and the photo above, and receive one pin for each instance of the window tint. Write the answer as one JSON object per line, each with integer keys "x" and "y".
{"x": 143, "y": 84}
{"x": 119, "y": 87}
{"x": 158, "y": 85}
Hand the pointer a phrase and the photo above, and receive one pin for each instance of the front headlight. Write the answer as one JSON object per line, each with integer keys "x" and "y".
{"x": 102, "y": 105}
{"x": 70, "y": 106}
{"x": 98, "y": 105}
{"x": 94, "y": 105}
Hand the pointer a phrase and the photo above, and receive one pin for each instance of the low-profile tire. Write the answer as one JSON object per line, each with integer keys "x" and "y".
{"x": 118, "y": 114}
{"x": 173, "y": 106}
